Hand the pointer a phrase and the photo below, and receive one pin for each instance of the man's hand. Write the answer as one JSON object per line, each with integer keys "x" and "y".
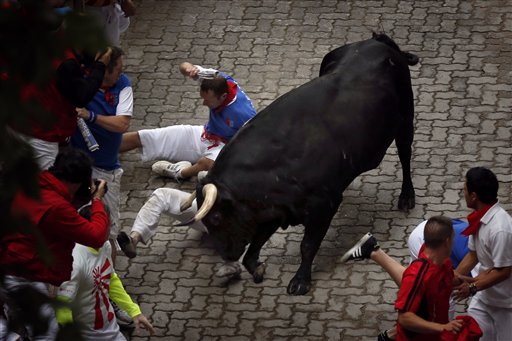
{"x": 141, "y": 322}
{"x": 99, "y": 191}
{"x": 462, "y": 291}
{"x": 105, "y": 57}
{"x": 189, "y": 70}
{"x": 454, "y": 326}
{"x": 459, "y": 279}
{"x": 83, "y": 113}
{"x": 128, "y": 8}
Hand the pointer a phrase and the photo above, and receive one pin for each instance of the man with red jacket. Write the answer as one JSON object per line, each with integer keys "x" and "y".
{"x": 55, "y": 224}
{"x": 72, "y": 86}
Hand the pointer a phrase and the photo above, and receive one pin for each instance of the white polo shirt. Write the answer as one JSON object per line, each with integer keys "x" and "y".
{"x": 493, "y": 246}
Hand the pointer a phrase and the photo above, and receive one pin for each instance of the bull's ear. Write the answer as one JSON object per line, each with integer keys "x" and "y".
{"x": 412, "y": 59}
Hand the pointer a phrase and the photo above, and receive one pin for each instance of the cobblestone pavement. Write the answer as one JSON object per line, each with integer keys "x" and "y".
{"x": 463, "y": 100}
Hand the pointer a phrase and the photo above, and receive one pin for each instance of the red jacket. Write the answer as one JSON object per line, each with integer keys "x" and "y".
{"x": 59, "y": 226}
{"x": 67, "y": 89}
{"x": 470, "y": 331}
{"x": 425, "y": 291}
{"x": 61, "y": 109}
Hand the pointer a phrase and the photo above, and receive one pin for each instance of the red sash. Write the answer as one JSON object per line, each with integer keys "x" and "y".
{"x": 215, "y": 139}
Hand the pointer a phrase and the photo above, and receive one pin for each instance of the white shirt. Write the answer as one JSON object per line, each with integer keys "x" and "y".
{"x": 416, "y": 240}
{"x": 125, "y": 105}
{"x": 493, "y": 246}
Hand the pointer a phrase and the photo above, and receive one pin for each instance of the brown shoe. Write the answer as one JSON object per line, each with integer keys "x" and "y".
{"x": 126, "y": 244}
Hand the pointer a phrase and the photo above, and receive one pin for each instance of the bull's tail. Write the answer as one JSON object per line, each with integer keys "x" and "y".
{"x": 412, "y": 59}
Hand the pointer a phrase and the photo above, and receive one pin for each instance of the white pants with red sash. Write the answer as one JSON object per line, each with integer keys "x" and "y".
{"x": 178, "y": 143}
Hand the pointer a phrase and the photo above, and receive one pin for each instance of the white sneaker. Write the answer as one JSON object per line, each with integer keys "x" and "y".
{"x": 171, "y": 170}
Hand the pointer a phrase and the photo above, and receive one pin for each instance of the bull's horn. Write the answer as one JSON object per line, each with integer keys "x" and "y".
{"x": 187, "y": 203}
{"x": 210, "y": 195}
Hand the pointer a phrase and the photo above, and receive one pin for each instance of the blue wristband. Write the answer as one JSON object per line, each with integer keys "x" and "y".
{"x": 92, "y": 117}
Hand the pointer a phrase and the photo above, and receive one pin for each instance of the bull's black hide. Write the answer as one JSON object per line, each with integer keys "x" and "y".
{"x": 291, "y": 163}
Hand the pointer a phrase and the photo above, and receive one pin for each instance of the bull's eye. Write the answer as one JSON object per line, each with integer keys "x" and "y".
{"x": 215, "y": 218}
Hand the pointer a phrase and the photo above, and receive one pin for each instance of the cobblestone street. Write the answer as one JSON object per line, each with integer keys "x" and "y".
{"x": 463, "y": 100}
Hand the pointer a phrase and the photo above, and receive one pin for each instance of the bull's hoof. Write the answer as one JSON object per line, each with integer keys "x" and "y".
{"x": 229, "y": 270}
{"x": 258, "y": 273}
{"x": 299, "y": 286}
{"x": 406, "y": 202}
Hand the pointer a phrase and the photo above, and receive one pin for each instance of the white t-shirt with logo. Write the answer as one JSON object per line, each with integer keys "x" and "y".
{"x": 88, "y": 289}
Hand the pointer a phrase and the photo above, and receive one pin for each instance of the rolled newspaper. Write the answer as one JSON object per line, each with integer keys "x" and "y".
{"x": 88, "y": 136}
{"x": 204, "y": 73}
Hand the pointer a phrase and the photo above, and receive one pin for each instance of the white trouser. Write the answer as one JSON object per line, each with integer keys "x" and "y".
{"x": 168, "y": 200}
{"x": 46, "y": 312}
{"x": 112, "y": 198}
{"x": 177, "y": 143}
{"x": 163, "y": 200}
{"x": 495, "y": 322}
{"x": 44, "y": 152}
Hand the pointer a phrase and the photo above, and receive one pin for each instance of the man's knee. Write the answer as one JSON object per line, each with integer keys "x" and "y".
{"x": 161, "y": 194}
{"x": 164, "y": 199}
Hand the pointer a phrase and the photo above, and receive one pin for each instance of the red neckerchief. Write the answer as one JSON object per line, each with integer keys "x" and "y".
{"x": 229, "y": 98}
{"x": 474, "y": 220}
{"x": 109, "y": 98}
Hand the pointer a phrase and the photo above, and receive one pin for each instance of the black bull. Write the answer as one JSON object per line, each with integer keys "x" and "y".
{"x": 292, "y": 162}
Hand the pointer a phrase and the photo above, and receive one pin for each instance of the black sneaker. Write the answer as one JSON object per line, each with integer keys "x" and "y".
{"x": 362, "y": 249}
{"x": 126, "y": 244}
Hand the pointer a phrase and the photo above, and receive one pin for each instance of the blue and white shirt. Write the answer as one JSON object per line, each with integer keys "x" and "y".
{"x": 117, "y": 100}
{"x": 224, "y": 122}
